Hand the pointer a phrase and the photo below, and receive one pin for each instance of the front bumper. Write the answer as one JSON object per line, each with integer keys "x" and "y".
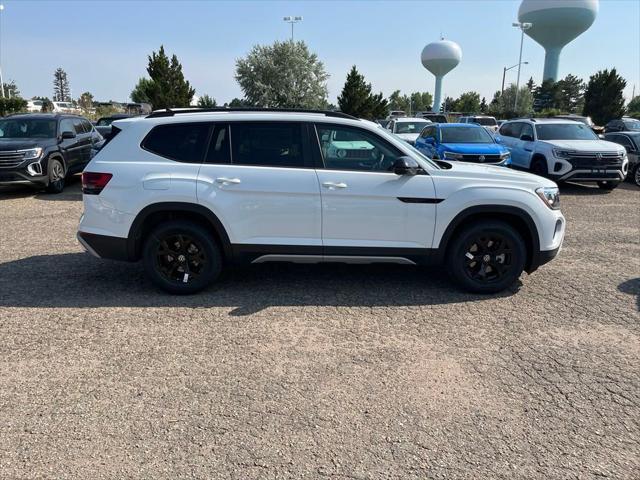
{"x": 20, "y": 176}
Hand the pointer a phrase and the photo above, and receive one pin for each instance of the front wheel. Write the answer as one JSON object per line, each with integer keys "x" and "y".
{"x": 636, "y": 175}
{"x": 608, "y": 184}
{"x": 181, "y": 257}
{"x": 486, "y": 257}
{"x": 539, "y": 167}
{"x": 56, "y": 176}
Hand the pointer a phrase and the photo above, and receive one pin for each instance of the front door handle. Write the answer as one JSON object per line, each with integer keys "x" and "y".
{"x": 227, "y": 181}
{"x": 334, "y": 185}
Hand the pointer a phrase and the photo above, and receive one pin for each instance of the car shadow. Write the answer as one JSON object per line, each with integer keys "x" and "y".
{"x": 77, "y": 280}
{"x": 72, "y": 191}
{"x": 632, "y": 287}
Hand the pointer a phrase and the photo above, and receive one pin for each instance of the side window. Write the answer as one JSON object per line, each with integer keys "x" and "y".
{"x": 270, "y": 144}
{"x": 348, "y": 148}
{"x": 66, "y": 125}
{"x": 429, "y": 132}
{"x": 505, "y": 130}
{"x": 526, "y": 130}
{"x": 516, "y": 128}
{"x": 622, "y": 140}
{"x": 78, "y": 126}
{"x": 87, "y": 126}
{"x": 219, "y": 147}
{"x": 182, "y": 142}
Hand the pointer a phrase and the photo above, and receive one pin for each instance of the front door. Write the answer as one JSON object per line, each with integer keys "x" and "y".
{"x": 366, "y": 208}
{"x": 258, "y": 178}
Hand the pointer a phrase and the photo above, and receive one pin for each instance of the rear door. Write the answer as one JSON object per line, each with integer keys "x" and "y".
{"x": 259, "y": 179}
{"x": 366, "y": 208}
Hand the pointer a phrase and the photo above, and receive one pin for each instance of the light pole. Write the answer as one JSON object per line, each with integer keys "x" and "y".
{"x": 1, "y": 81}
{"x": 504, "y": 73}
{"x": 292, "y": 21}
{"x": 522, "y": 26}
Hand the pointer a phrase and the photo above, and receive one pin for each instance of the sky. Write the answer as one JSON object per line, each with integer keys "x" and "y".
{"x": 103, "y": 45}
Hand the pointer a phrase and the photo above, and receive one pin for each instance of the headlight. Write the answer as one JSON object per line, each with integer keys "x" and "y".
{"x": 32, "y": 153}
{"x": 550, "y": 196}
{"x": 561, "y": 153}
{"x": 453, "y": 156}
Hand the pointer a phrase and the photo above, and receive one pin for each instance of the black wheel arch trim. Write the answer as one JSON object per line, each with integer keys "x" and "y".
{"x": 134, "y": 238}
{"x": 533, "y": 257}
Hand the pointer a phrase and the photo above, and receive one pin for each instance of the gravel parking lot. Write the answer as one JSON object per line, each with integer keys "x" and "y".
{"x": 286, "y": 371}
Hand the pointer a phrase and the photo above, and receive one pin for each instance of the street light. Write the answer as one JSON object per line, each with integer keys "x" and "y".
{"x": 504, "y": 73}
{"x": 522, "y": 26}
{"x": 292, "y": 21}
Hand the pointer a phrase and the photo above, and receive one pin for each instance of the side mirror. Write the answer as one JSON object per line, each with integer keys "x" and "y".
{"x": 601, "y": 136}
{"x": 526, "y": 138}
{"x": 67, "y": 135}
{"x": 406, "y": 166}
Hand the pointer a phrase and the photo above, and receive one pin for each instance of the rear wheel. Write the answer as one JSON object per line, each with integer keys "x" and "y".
{"x": 608, "y": 184}
{"x": 539, "y": 167}
{"x": 56, "y": 176}
{"x": 181, "y": 257}
{"x": 636, "y": 175}
{"x": 486, "y": 257}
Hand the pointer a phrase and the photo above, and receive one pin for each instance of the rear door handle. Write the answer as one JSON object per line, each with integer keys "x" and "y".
{"x": 227, "y": 181}
{"x": 334, "y": 185}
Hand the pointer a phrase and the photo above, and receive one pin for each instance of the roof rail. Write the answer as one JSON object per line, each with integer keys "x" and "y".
{"x": 170, "y": 112}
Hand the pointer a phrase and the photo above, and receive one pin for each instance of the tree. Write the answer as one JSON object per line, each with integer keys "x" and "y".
{"x": 531, "y": 85}
{"x": 398, "y": 102}
{"x": 205, "y": 101}
{"x": 483, "y": 105}
{"x": 502, "y": 105}
{"x": 12, "y": 105}
{"x": 420, "y": 101}
{"x": 448, "y": 105}
{"x": 633, "y": 107}
{"x": 61, "y": 88}
{"x": 468, "y": 102}
{"x": 140, "y": 94}
{"x": 85, "y": 101}
{"x": 238, "y": 103}
{"x": 547, "y": 96}
{"x": 167, "y": 87}
{"x": 356, "y": 98}
{"x": 10, "y": 89}
{"x": 603, "y": 98}
{"x": 571, "y": 94}
{"x": 284, "y": 74}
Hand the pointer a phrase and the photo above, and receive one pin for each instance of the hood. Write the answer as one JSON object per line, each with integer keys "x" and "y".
{"x": 586, "y": 145}
{"x": 24, "y": 143}
{"x": 494, "y": 174}
{"x": 474, "y": 148}
{"x": 408, "y": 137}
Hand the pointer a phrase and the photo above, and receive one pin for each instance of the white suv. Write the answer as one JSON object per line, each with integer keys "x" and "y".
{"x": 564, "y": 150}
{"x": 189, "y": 192}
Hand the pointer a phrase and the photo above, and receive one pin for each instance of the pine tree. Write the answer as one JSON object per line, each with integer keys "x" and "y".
{"x": 483, "y": 105}
{"x": 571, "y": 94}
{"x": 356, "y": 98}
{"x": 531, "y": 85}
{"x": 61, "y": 89}
{"x": 603, "y": 100}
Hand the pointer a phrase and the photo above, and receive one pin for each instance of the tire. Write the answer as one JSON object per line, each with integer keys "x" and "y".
{"x": 539, "y": 167}
{"x": 56, "y": 175}
{"x": 490, "y": 249}
{"x": 608, "y": 185}
{"x": 181, "y": 257}
{"x": 635, "y": 178}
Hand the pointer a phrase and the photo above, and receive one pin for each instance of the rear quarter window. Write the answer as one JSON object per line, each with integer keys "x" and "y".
{"x": 181, "y": 142}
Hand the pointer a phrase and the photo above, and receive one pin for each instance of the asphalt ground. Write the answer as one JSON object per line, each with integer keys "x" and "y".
{"x": 334, "y": 371}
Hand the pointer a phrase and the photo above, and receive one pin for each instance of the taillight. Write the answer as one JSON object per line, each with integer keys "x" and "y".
{"x": 93, "y": 183}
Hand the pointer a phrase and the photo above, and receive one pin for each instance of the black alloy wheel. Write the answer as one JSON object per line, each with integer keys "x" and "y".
{"x": 182, "y": 257}
{"x": 56, "y": 176}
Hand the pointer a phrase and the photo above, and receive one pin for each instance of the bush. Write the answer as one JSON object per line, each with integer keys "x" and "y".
{"x": 12, "y": 105}
{"x": 550, "y": 112}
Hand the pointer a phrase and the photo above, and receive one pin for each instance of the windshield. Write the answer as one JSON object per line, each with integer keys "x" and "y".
{"x": 465, "y": 135}
{"x": 565, "y": 131}
{"x": 486, "y": 121}
{"x": 410, "y": 127}
{"x": 632, "y": 124}
{"x": 27, "y": 128}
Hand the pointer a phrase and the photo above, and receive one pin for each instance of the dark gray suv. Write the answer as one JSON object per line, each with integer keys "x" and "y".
{"x": 43, "y": 149}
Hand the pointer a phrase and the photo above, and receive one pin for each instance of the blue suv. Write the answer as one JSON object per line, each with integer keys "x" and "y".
{"x": 463, "y": 142}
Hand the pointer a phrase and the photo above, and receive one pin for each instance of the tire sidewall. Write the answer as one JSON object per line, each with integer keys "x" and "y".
{"x": 456, "y": 255}
{"x": 544, "y": 169}
{"x": 198, "y": 233}
{"x": 51, "y": 186}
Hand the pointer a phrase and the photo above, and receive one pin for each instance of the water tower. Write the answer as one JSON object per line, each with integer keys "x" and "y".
{"x": 555, "y": 23}
{"x": 440, "y": 58}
